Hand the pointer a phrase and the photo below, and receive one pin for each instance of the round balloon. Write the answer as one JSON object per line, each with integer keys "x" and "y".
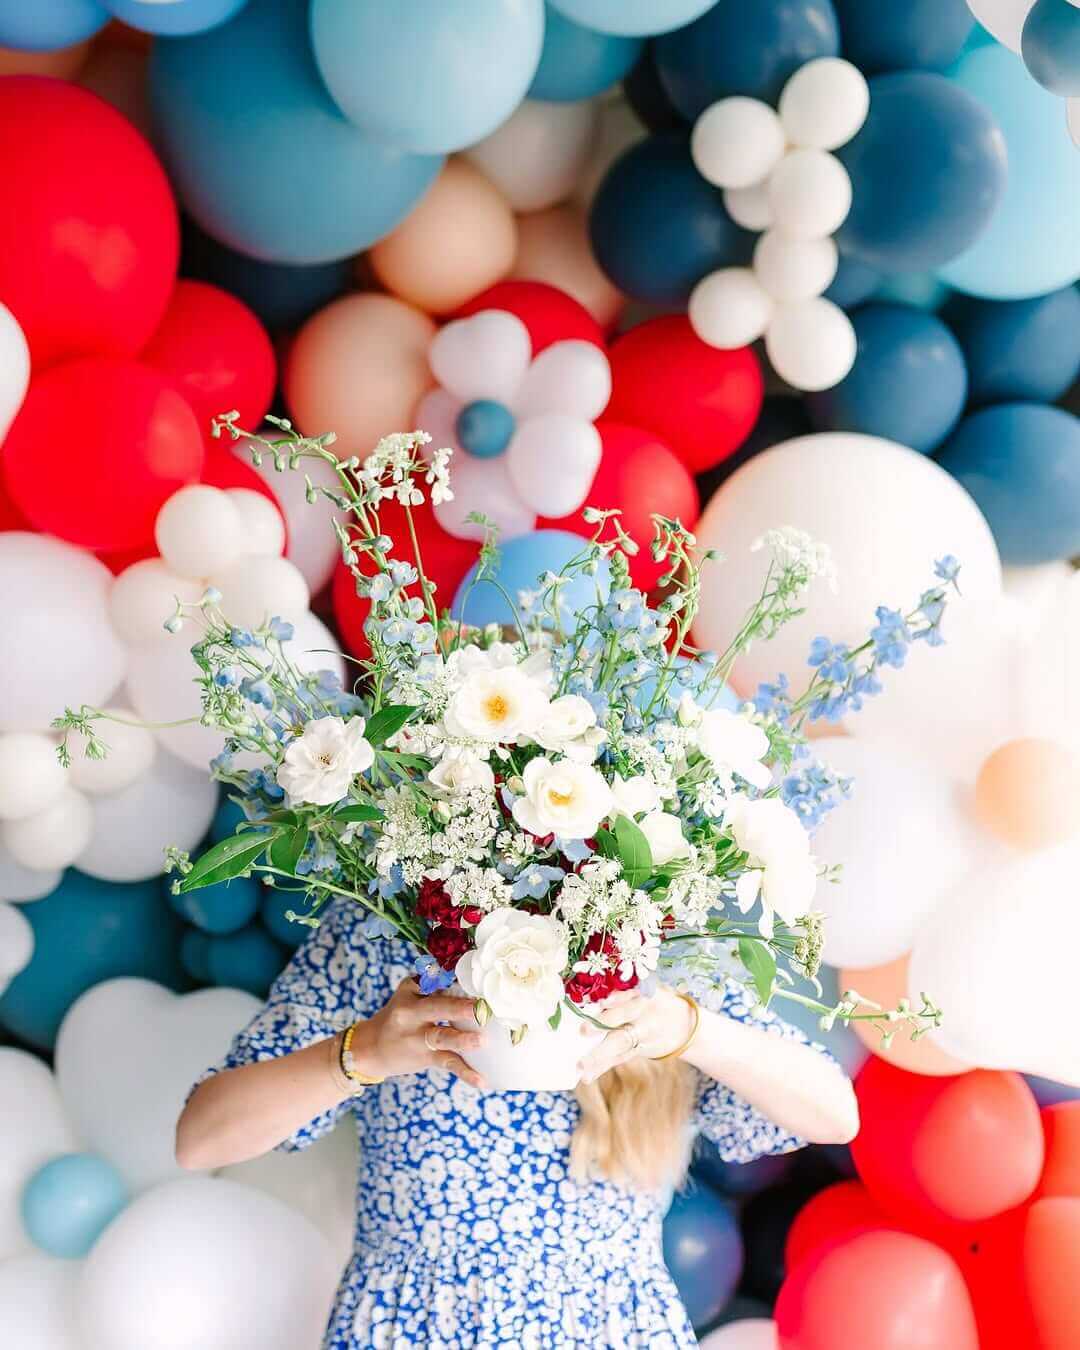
{"x": 837, "y": 1212}
{"x": 1002, "y": 19}
{"x": 886, "y": 985}
{"x": 1050, "y": 1252}
{"x": 549, "y": 314}
{"x": 553, "y": 246}
{"x": 578, "y": 62}
{"x": 249, "y": 959}
{"x": 174, "y": 18}
{"x": 1050, "y": 45}
{"x": 1019, "y": 349}
{"x": 919, "y": 35}
{"x": 1061, "y": 1170}
{"x": 522, "y": 561}
{"x": 39, "y": 1298}
{"x": 223, "y": 908}
{"x": 703, "y": 1251}
{"x": 632, "y": 17}
{"x": 68, "y": 1203}
{"x": 52, "y": 23}
{"x": 16, "y": 943}
{"x": 1028, "y": 793}
{"x": 33, "y": 1128}
{"x": 536, "y": 157}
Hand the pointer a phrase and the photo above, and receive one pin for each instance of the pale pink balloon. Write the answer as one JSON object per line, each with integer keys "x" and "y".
{"x": 553, "y": 246}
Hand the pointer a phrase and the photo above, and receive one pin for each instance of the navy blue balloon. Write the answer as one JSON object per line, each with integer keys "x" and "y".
{"x": 703, "y": 1251}
{"x": 927, "y": 169}
{"x": 657, "y": 227}
{"x": 195, "y": 955}
{"x": 912, "y": 35}
{"x": 1049, "y": 1093}
{"x": 250, "y": 960}
{"x": 908, "y": 383}
{"x": 738, "y": 1178}
{"x": 1019, "y": 349}
{"x": 1021, "y": 463}
{"x": 224, "y": 908}
{"x": 275, "y": 905}
{"x": 68, "y": 1203}
{"x": 648, "y": 97}
{"x": 179, "y": 18}
{"x": 45, "y": 25}
{"x": 521, "y": 562}
{"x": 854, "y": 282}
{"x": 746, "y": 47}
{"x": 87, "y": 931}
{"x": 579, "y": 62}
{"x": 1050, "y": 46}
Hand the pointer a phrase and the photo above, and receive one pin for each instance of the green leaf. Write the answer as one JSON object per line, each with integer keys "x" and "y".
{"x": 606, "y": 844}
{"x": 382, "y": 725}
{"x": 287, "y": 848}
{"x": 555, "y": 1018}
{"x": 761, "y": 963}
{"x": 227, "y": 859}
{"x": 358, "y": 811}
{"x": 634, "y": 851}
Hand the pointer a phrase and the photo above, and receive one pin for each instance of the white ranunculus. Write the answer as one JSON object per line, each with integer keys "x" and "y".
{"x": 634, "y": 795}
{"x": 564, "y": 798}
{"x": 665, "y": 836}
{"x": 782, "y": 869}
{"x": 496, "y": 705}
{"x": 517, "y": 966}
{"x": 565, "y": 719}
{"x": 734, "y": 743}
{"x": 459, "y": 771}
{"x": 319, "y": 765}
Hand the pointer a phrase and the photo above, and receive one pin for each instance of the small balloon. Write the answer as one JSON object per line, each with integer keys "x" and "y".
{"x": 69, "y": 1202}
{"x": 1028, "y": 793}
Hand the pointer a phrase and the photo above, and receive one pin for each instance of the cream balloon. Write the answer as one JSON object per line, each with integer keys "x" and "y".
{"x": 619, "y": 128}
{"x": 33, "y": 1128}
{"x": 1002, "y": 19}
{"x": 14, "y": 368}
{"x": 737, "y": 142}
{"x": 38, "y": 1294}
{"x": 31, "y": 777}
{"x": 824, "y": 103}
{"x": 794, "y": 269}
{"x": 730, "y": 308}
{"x": 262, "y": 526}
{"x": 257, "y": 589}
{"x": 1027, "y": 793}
{"x": 20, "y": 884}
{"x": 860, "y": 495}
{"x": 129, "y": 753}
{"x": 572, "y": 377}
{"x": 52, "y": 837}
{"x": 810, "y": 194}
{"x": 811, "y": 344}
{"x": 16, "y": 943}
{"x": 553, "y": 246}
{"x": 144, "y": 596}
{"x": 198, "y": 531}
{"x": 538, "y": 154}
{"x": 1047, "y": 687}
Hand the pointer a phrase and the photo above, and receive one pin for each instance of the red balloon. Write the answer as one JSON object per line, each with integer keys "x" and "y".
{"x": 990, "y": 1255}
{"x": 11, "y": 518}
{"x": 940, "y": 1150}
{"x": 549, "y": 314}
{"x": 97, "y": 448}
{"x": 877, "y": 1290}
{"x": 837, "y": 1212}
{"x": 700, "y": 401}
{"x": 89, "y": 241}
{"x": 1051, "y": 1266}
{"x": 639, "y": 475}
{"x": 1061, "y": 1171}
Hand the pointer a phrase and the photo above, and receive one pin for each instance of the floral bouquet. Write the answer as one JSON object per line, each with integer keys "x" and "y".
{"x": 551, "y": 813}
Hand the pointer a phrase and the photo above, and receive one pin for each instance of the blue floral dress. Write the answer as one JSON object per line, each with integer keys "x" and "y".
{"x": 470, "y": 1232}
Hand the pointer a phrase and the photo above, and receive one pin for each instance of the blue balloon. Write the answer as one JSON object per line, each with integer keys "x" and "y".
{"x": 178, "y": 18}
{"x": 195, "y": 955}
{"x": 738, "y": 1178}
{"x": 425, "y": 76}
{"x": 687, "y": 678}
{"x": 854, "y": 282}
{"x": 1021, "y": 463}
{"x": 1050, "y": 46}
{"x": 908, "y": 383}
{"x": 226, "y": 818}
{"x": 484, "y": 427}
{"x": 275, "y": 905}
{"x": 259, "y": 154}
{"x": 657, "y": 227}
{"x": 1049, "y": 1093}
{"x": 250, "y": 960}
{"x": 928, "y": 171}
{"x": 639, "y": 18}
{"x": 1032, "y": 243}
{"x": 919, "y": 290}
{"x": 579, "y": 62}
{"x": 68, "y": 1203}
{"x": 522, "y": 561}
{"x": 915, "y": 35}
{"x": 223, "y": 908}
{"x": 1019, "y": 349}
{"x": 741, "y": 48}
{"x": 87, "y": 931}
{"x": 46, "y": 25}
{"x": 648, "y": 97}
{"x": 704, "y": 1252}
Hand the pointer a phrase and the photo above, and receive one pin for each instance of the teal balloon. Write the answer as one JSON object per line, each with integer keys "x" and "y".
{"x": 45, "y": 25}
{"x": 87, "y": 931}
{"x": 178, "y": 18}
{"x": 226, "y": 818}
{"x": 919, "y": 290}
{"x": 1031, "y": 244}
{"x": 484, "y": 427}
{"x": 275, "y": 905}
{"x": 1019, "y": 349}
{"x": 854, "y": 282}
{"x": 224, "y": 908}
{"x": 258, "y": 152}
{"x": 579, "y": 62}
{"x": 522, "y": 561}
{"x": 1050, "y": 46}
{"x": 633, "y": 18}
{"x": 68, "y": 1203}
{"x": 195, "y": 955}
{"x": 423, "y": 75}
{"x": 250, "y": 960}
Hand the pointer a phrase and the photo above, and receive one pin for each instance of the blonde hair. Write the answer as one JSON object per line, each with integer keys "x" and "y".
{"x": 634, "y": 1124}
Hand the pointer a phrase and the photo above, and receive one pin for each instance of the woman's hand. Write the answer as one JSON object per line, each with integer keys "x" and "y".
{"x": 651, "y": 1025}
{"x": 403, "y": 1036}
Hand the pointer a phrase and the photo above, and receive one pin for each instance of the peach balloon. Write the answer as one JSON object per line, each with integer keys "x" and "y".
{"x": 456, "y": 242}
{"x": 887, "y": 985}
{"x": 358, "y": 368}
{"x": 62, "y": 64}
{"x": 553, "y": 246}
{"x": 118, "y": 75}
{"x": 1028, "y": 793}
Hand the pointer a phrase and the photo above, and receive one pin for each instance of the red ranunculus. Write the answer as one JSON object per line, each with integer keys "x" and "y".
{"x": 434, "y": 904}
{"x": 586, "y": 987}
{"x": 447, "y": 946}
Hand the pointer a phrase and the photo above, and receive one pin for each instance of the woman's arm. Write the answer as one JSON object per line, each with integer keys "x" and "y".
{"x": 244, "y": 1112}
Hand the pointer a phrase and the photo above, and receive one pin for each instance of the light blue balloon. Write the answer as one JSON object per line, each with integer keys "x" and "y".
{"x": 918, "y": 290}
{"x": 45, "y": 25}
{"x": 259, "y": 154}
{"x": 687, "y": 678}
{"x": 67, "y": 1203}
{"x": 424, "y": 75}
{"x": 579, "y": 62}
{"x": 633, "y": 18}
{"x": 1032, "y": 242}
{"x": 1051, "y": 46}
{"x": 178, "y": 18}
{"x": 522, "y": 561}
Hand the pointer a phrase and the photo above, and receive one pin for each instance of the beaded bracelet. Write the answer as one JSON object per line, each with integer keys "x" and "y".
{"x": 347, "y": 1062}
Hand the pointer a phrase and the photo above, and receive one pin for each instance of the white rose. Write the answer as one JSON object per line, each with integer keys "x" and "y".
{"x": 634, "y": 795}
{"x": 782, "y": 869}
{"x": 459, "y": 771}
{"x": 564, "y": 719}
{"x": 665, "y": 836}
{"x": 496, "y": 705}
{"x": 517, "y": 966}
{"x": 564, "y": 798}
{"x": 734, "y": 743}
{"x": 320, "y": 764}
{"x": 766, "y": 828}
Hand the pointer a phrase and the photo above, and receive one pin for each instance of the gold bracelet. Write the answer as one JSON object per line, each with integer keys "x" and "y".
{"x": 347, "y": 1062}
{"x": 682, "y": 1049}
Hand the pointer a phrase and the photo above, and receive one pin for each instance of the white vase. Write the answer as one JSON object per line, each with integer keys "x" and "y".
{"x": 543, "y": 1061}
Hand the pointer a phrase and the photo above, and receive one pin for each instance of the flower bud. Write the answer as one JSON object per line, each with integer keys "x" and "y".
{"x": 481, "y": 1011}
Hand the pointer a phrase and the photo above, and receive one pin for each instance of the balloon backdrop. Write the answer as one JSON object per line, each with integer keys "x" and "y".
{"x": 521, "y": 562}
{"x": 1019, "y": 349}
{"x": 577, "y": 61}
{"x": 33, "y": 1128}
{"x": 537, "y": 156}
{"x": 68, "y": 1203}
{"x": 553, "y": 247}
{"x": 632, "y": 17}
{"x": 919, "y": 35}
{"x": 703, "y": 1251}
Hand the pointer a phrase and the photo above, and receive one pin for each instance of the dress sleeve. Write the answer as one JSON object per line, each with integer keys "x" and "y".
{"x": 740, "y": 1132}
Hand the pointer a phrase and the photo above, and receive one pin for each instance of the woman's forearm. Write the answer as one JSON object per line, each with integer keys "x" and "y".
{"x": 791, "y": 1083}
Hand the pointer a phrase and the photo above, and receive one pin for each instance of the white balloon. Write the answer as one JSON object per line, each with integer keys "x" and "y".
{"x": 810, "y": 194}
{"x": 14, "y": 368}
{"x": 33, "y": 1128}
{"x": 1007, "y": 1004}
{"x": 824, "y": 103}
{"x": 536, "y": 157}
{"x": 59, "y": 649}
{"x": 749, "y": 1333}
{"x": 1047, "y": 658}
{"x": 794, "y": 269}
{"x": 38, "y": 1298}
{"x": 261, "y": 522}
{"x": 198, "y": 531}
{"x": 161, "y": 686}
{"x": 437, "y": 414}
{"x": 52, "y": 837}
{"x": 144, "y": 595}
{"x": 1003, "y": 19}
{"x": 902, "y": 840}
{"x": 129, "y": 753}
{"x": 16, "y": 943}
{"x": 207, "y": 1263}
{"x": 483, "y": 485}
{"x": 811, "y": 344}
{"x": 862, "y": 496}
{"x": 483, "y": 356}
{"x": 171, "y": 803}
{"x": 552, "y": 462}
{"x": 313, "y": 648}
{"x": 737, "y": 142}
{"x": 749, "y": 206}
{"x": 571, "y": 377}
{"x": 257, "y": 589}
{"x": 22, "y": 884}
{"x": 31, "y": 777}
{"x": 122, "y": 1093}
{"x": 729, "y": 308}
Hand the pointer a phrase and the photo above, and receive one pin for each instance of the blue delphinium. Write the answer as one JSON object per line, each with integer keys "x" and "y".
{"x": 432, "y": 976}
{"x": 831, "y": 659}
{"x": 891, "y": 637}
{"x": 813, "y": 791}
{"x": 535, "y": 881}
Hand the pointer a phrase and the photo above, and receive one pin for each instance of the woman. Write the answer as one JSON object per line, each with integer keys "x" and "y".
{"x": 491, "y": 1219}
